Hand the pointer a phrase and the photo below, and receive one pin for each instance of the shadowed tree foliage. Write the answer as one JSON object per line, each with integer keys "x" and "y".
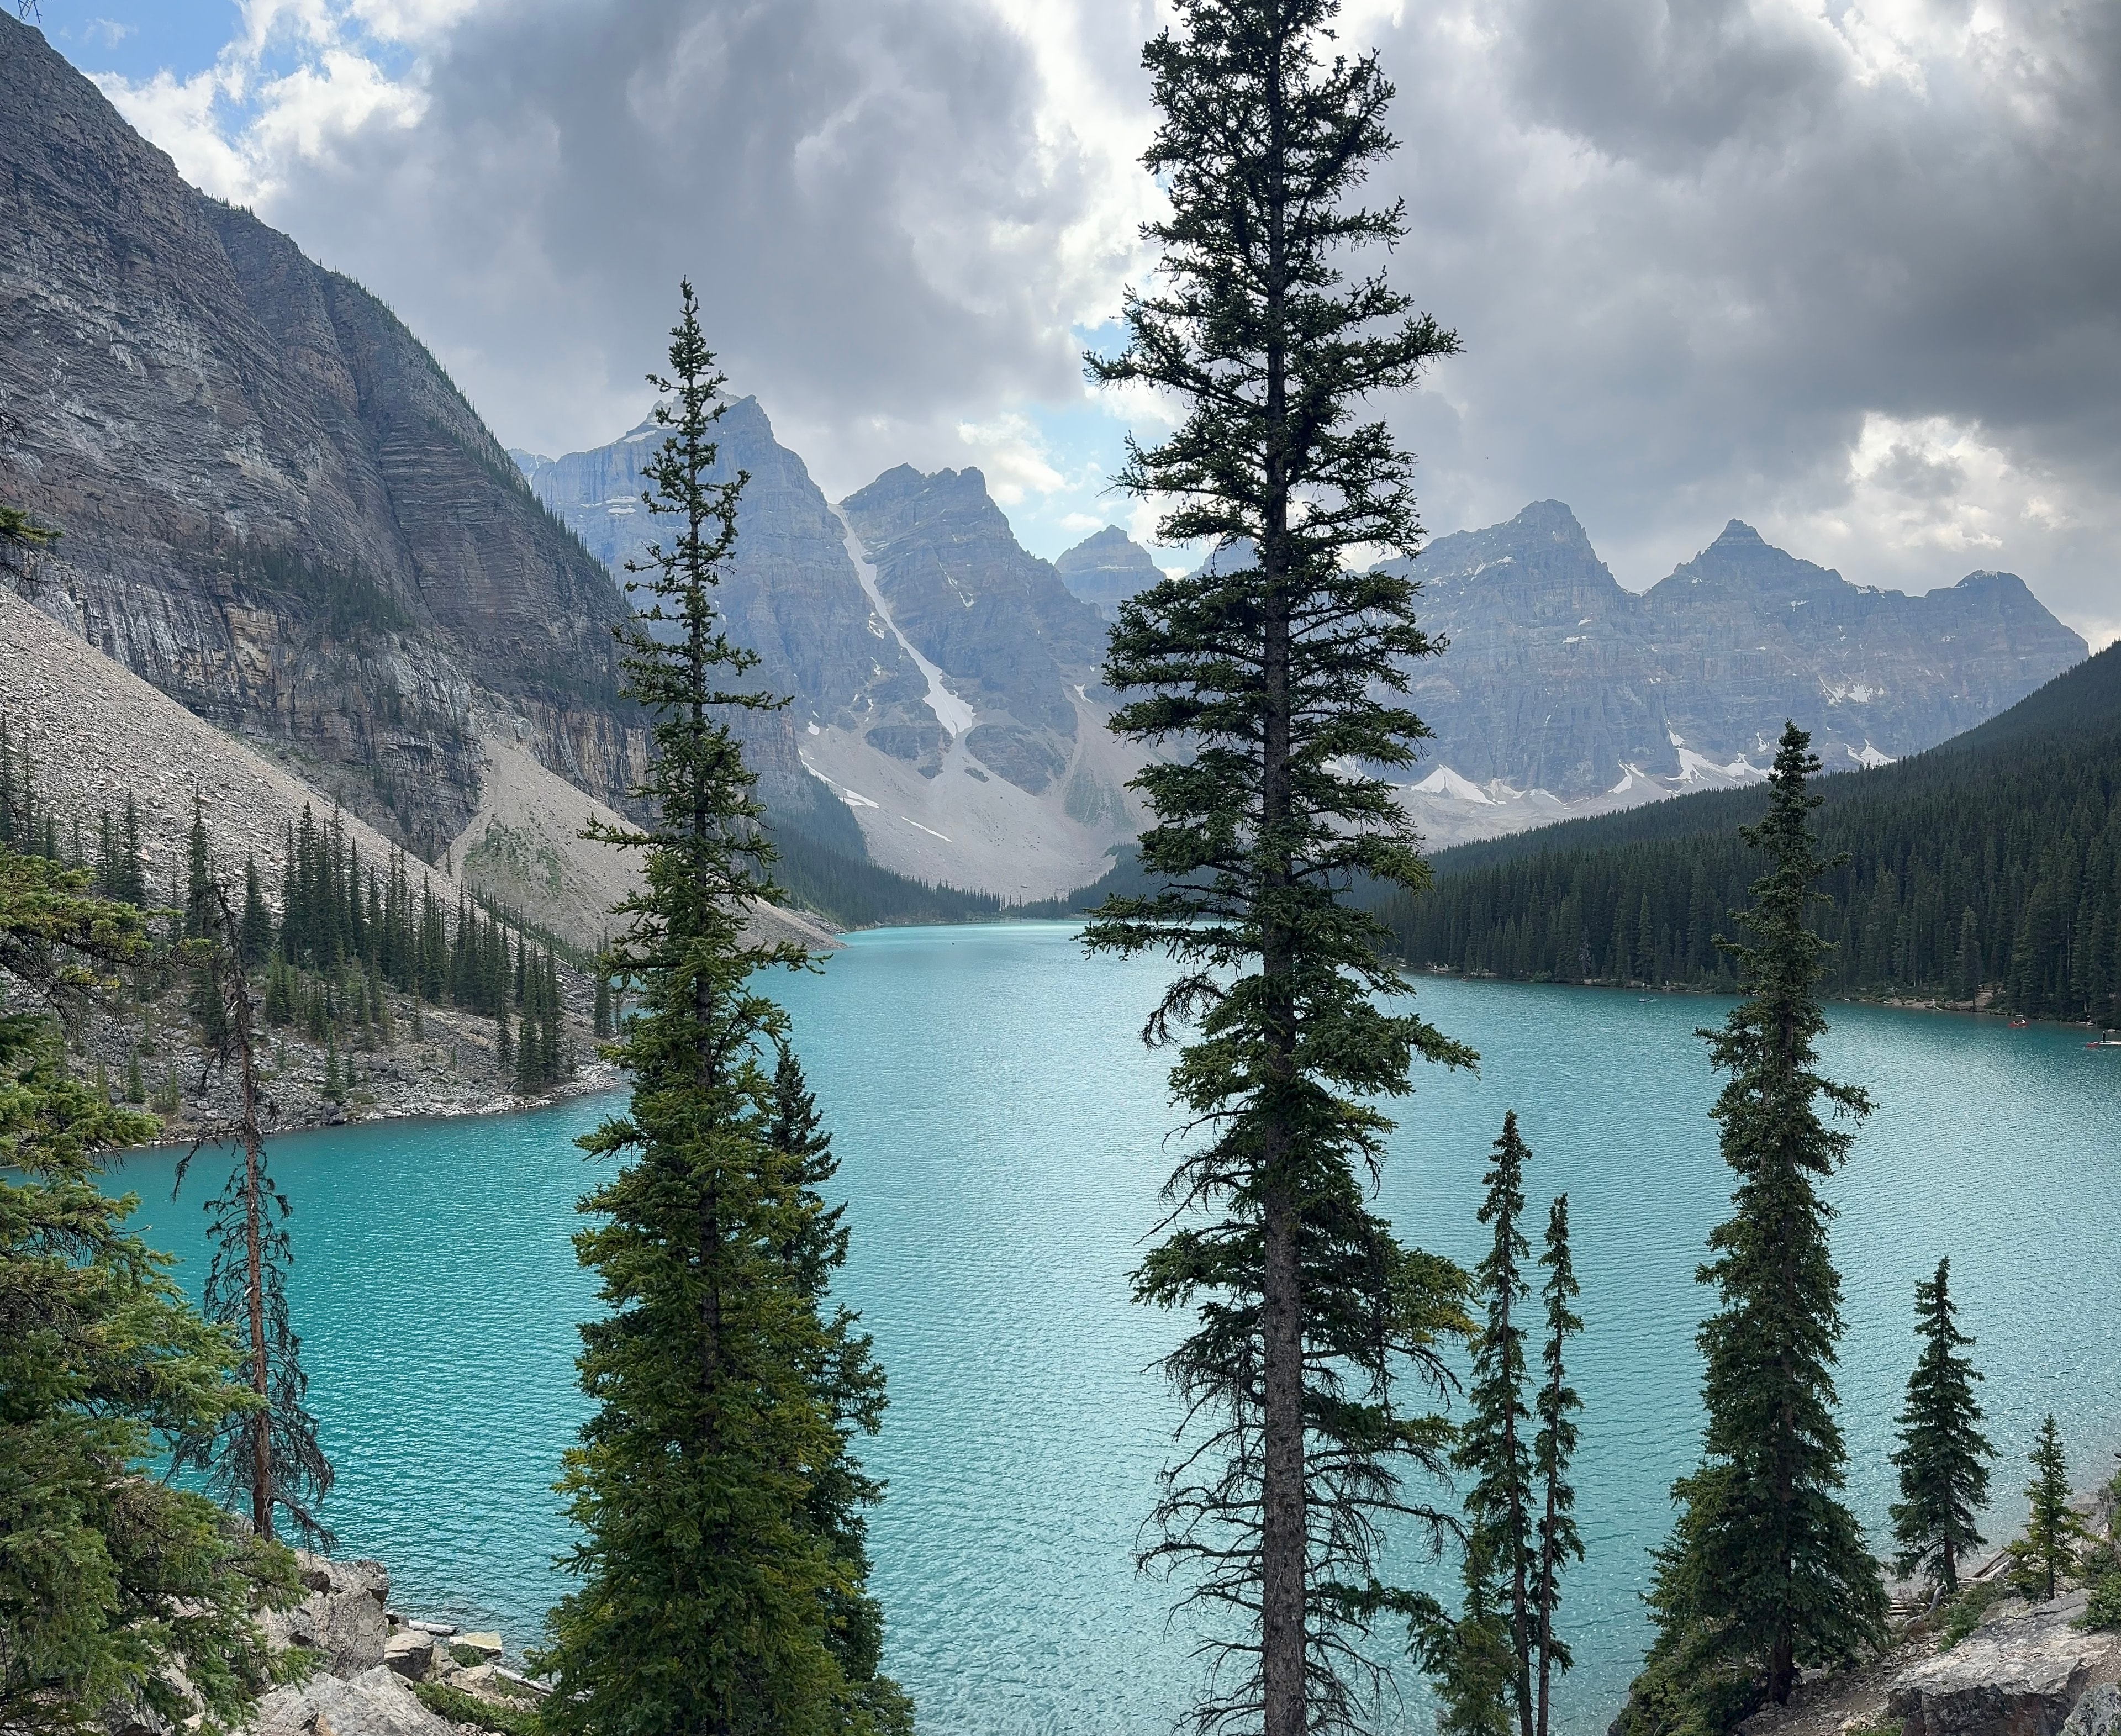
{"x": 1552, "y": 1449}
{"x": 711, "y": 1599}
{"x": 1943, "y": 1456}
{"x": 267, "y": 1454}
{"x": 110, "y": 1580}
{"x": 1494, "y": 1446}
{"x": 1271, "y": 680}
{"x": 1767, "y": 1571}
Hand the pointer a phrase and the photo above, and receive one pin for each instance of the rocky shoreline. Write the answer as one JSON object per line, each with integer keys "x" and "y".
{"x": 377, "y": 1671}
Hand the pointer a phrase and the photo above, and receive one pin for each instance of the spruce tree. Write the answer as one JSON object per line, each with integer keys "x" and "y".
{"x": 268, "y": 1456}
{"x": 1552, "y": 1451}
{"x": 256, "y": 927}
{"x": 198, "y": 871}
{"x": 1495, "y": 1445}
{"x": 1280, "y": 668}
{"x": 1943, "y": 1456}
{"x": 1766, "y": 1571}
{"x": 707, "y": 1597}
{"x": 850, "y": 1386}
{"x": 2052, "y": 1527}
{"x": 116, "y": 1587}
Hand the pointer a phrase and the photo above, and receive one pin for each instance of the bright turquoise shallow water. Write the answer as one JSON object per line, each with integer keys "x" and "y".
{"x": 1000, "y": 1128}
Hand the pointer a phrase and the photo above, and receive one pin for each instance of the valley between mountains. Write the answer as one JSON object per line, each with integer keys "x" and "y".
{"x": 276, "y": 509}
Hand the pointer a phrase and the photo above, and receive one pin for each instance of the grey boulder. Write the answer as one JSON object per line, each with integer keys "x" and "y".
{"x": 2021, "y": 1676}
{"x": 342, "y": 1616}
{"x": 374, "y": 1703}
{"x": 410, "y": 1653}
{"x": 2097, "y": 1713}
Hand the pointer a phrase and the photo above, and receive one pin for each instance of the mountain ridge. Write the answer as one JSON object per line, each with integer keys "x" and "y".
{"x": 275, "y": 507}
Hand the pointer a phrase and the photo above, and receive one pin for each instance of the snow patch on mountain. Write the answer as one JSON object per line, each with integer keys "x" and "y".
{"x": 1445, "y": 781}
{"x": 952, "y": 712}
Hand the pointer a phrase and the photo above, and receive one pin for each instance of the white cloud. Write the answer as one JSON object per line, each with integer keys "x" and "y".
{"x": 1844, "y": 270}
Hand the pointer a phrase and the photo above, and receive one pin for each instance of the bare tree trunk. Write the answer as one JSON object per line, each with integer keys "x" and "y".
{"x": 1284, "y": 1550}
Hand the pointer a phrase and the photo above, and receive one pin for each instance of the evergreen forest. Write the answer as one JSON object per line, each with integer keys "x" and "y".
{"x": 1986, "y": 870}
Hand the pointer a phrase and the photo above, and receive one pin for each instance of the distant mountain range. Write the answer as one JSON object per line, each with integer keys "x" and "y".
{"x": 944, "y": 682}
{"x": 1562, "y": 693}
{"x": 278, "y": 510}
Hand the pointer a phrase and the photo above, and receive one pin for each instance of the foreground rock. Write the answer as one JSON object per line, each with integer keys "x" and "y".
{"x": 342, "y": 1616}
{"x": 377, "y": 1703}
{"x": 2022, "y": 1675}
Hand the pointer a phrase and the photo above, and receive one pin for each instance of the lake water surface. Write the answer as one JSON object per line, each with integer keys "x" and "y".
{"x": 1000, "y": 1131}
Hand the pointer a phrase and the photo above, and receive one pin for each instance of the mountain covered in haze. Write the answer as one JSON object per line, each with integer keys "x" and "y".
{"x": 1563, "y": 692}
{"x": 275, "y": 507}
{"x": 944, "y": 682}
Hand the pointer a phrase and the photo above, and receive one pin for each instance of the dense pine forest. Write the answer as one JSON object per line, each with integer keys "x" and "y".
{"x": 346, "y": 930}
{"x": 1988, "y": 869}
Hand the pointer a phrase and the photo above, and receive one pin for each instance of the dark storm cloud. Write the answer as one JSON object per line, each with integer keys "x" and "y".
{"x": 1852, "y": 273}
{"x": 855, "y": 186}
{"x": 1693, "y": 246}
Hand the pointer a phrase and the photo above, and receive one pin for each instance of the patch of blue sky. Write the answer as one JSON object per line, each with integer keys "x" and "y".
{"x": 137, "y": 38}
{"x": 1082, "y": 442}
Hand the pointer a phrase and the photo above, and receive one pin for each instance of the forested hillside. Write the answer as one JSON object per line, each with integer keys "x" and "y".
{"x": 1990, "y": 865}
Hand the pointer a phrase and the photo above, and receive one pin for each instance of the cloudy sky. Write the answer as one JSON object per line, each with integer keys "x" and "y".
{"x": 1849, "y": 272}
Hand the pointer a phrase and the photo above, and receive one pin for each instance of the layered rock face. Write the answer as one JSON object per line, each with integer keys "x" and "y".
{"x": 275, "y": 506}
{"x": 1558, "y": 679}
{"x": 1105, "y": 569}
{"x": 999, "y": 622}
{"x": 943, "y": 681}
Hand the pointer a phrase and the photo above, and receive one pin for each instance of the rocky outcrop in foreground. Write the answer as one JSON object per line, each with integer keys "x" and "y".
{"x": 370, "y": 1659}
{"x": 2026, "y": 1670}
{"x": 2023, "y": 1674}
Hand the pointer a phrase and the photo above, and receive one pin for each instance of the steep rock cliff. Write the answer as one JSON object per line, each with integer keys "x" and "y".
{"x": 275, "y": 506}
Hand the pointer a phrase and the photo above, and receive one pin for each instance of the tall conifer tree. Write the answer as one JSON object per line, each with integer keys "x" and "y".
{"x": 707, "y": 1597}
{"x": 1767, "y": 1571}
{"x": 119, "y": 1593}
{"x": 268, "y": 1456}
{"x": 1553, "y": 1450}
{"x": 1279, "y": 667}
{"x": 1943, "y": 1456}
{"x": 1495, "y": 1443}
{"x": 2052, "y": 1529}
{"x": 850, "y": 1385}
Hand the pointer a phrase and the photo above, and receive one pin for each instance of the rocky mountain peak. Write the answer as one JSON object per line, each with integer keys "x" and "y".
{"x": 276, "y": 508}
{"x": 1554, "y": 520}
{"x": 1106, "y": 568}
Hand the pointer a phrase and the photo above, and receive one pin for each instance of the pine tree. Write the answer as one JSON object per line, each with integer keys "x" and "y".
{"x": 257, "y": 935}
{"x": 600, "y": 1020}
{"x": 113, "y": 1581}
{"x": 1552, "y": 1452}
{"x": 269, "y": 1455}
{"x": 1278, "y": 666}
{"x": 1767, "y": 1571}
{"x": 2052, "y": 1527}
{"x": 198, "y": 871}
{"x": 850, "y": 1386}
{"x": 136, "y": 1090}
{"x": 1495, "y": 1445}
{"x": 707, "y": 1600}
{"x": 130, "y": 881}
{"x": 1943, "y": 1456}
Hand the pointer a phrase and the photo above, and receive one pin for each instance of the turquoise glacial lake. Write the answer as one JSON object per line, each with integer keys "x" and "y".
{"x": 1001, "y": 1136}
